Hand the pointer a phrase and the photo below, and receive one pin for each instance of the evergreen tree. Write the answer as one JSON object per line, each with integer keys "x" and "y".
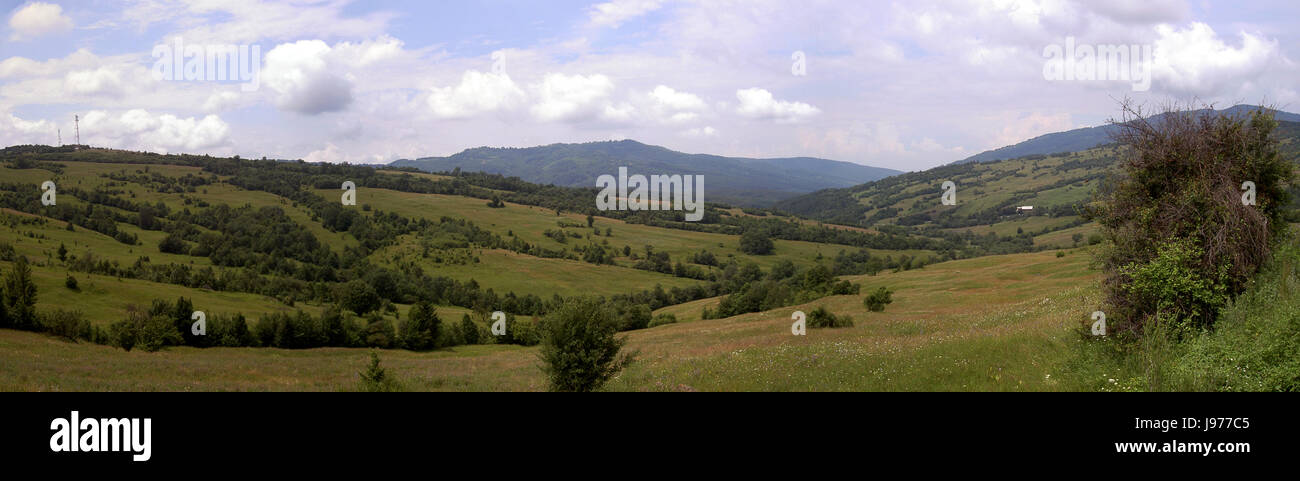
{"x": 420, "y": 330}
{"x": 469, "y": 330}
{"x": 20, "y": 296}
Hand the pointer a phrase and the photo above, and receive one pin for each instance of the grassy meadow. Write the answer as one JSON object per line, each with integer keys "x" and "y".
{"x": 988, "y": 324}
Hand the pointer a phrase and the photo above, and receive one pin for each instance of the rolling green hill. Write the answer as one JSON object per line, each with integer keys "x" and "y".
{"x": 988, "y": 195}
{"x": 741, "y": 181}
{"x": 1086, "y": 138}
{"x": 263, "y": 238}
{"x": 271, "y": 241}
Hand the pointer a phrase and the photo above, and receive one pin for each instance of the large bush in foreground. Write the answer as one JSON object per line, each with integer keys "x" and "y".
{"x": 1181, "y": 240}
{"x": 579, "y": 348}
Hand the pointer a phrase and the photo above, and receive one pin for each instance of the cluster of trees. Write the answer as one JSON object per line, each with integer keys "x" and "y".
{"x": 170, "y": 324}
{"x": 754, "y": 291}
{"x": 98, "y": 218}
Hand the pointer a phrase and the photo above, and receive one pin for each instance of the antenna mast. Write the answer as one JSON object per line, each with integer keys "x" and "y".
{"x": 76, "y": 122}
{"x": 60, "y": 132}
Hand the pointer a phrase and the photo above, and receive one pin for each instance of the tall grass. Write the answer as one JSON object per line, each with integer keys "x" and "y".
{"x": 1254, "y": 346}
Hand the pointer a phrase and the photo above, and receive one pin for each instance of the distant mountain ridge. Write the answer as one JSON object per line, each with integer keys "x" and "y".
{"x": 1086, "y": 138}
{"x": 736, "y": 180}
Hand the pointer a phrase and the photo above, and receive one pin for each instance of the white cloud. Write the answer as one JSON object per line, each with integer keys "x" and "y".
{"x": 221, "y": 101}
{"x": 1196, "y": 61}
{"x": 38, "y": 19}
{"x": 82, "y": 59}
{"x": 306, "y": 81}
{"x": 571, "y": 98}
{"x": 621, "y": 113}
{"x": 673, "y": 106}
{"x": 368, "y": 52}
{"x": 477, "y": 93}
{"x": 759, "y": 104}
{"x": 103, "y": 81}
{"x": 15, "y": 131}
{"x": 330, "y": 154}
{"x": 139, "y": 129}
{"x": 675, "y": 100}
{"x": 612, "y": 14}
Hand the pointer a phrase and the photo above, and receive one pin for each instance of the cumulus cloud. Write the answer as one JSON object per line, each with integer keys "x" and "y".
{"x": 623, "y": 112}
{"x": 220, "y": 101}
{"x": 103, "y": 81}
{"x": 14, "y": 131}
{"x": 1196, "y": 61}
{"x": 140, "y": 129}
{"x": 570, "y": 98}
{"x": 368, "y": 52}
{"x": 304, "y": 79}
{"x": 22, "y": 67}
{"x": 37, "y": 19}
{"x": 330, "y": 153}
{"x": 612, "y": 14}
{"x": 759, "y": 104}
{"x": 477, "y": 93}
{"x": 674, "y": 106}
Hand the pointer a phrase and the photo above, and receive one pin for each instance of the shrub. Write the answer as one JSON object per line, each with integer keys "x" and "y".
{"x": 376, "y": 379}
{"x": 662, "y": 319}
{"x": 820, "y": 318}
{"x": 756, "y": 242}
{"x": 844, "y": 288}
{"x": 1255, "y": 345}
{"x": 173, "y": 244}
{"x": 1174, "y": 286}
{"x": 1176, "y": 210}
{"x": 878, "y": 299}
{"x": 523, "y": 333}
{"x": 580, "y": 350}
{"x": 147, "y": 332}
{"x": 70, "y": 282}
{"x": 69, "y": 325}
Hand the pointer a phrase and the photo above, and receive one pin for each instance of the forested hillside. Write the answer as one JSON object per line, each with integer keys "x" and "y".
{"x": 741, "y": 181}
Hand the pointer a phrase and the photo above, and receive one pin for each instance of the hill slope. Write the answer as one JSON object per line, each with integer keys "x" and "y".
{"x": 742, "y": 181}
{"x": 1085, "y": 138}
{"x": 1003, "y": 326}
{"x": 987, "y": 194}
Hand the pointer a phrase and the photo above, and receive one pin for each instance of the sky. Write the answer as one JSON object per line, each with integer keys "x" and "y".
{"x": 906, "y": 85}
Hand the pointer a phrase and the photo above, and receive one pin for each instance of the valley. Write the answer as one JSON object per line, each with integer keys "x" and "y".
{"x": 986, "y": 295}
